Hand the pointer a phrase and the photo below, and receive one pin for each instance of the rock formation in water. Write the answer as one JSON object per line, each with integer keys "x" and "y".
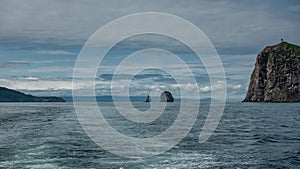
{"x": 166, "y": 96}
{"x": 276, "y": 76}
{"x": 9, "y": 95}
{"x": 148, "y": 99}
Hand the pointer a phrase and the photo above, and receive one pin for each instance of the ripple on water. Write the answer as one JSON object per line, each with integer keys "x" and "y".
{"x": 248, "y": 136}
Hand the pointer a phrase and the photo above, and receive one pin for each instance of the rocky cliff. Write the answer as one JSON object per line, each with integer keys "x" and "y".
{"x": 276, "y": 76}
{"x": 148, "y": 99}
{"x": 166, "y": 96}
{"x": 9, "y": 95}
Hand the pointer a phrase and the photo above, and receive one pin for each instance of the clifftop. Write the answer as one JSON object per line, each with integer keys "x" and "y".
{"x": 284, "y": 46}
{"x": 276, "y": 76}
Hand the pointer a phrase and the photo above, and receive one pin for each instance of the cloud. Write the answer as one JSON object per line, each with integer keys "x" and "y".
{"x": 205, "y": 89}
{"x": 30, "y": 83}
{"x": 220, "y": 85}
{"x": 295, "y": 8}
{"x": 149, "y": 80}
{"x": 14, "y": 64}
{"x": 238, "y": 86}
{"x": 54, "y": 52}
{"x": 61, "y": 27}
{"x": 63, "y": 87}
{"x": 245, "y": 26}
{"x": 52, "y": 69}
{"x": 31, "y": 78}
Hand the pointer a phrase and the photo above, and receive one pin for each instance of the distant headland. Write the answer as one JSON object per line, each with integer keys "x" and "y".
{"x": 276, "y": 76}
{"x": 9, "y": 95}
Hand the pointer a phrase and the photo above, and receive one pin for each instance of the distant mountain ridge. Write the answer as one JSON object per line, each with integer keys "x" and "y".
{"x": 125, "y": 99}
{"x": 9, "y": 95}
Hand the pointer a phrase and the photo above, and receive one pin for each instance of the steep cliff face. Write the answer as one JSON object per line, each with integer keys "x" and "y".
{"x": 276, "y": 76}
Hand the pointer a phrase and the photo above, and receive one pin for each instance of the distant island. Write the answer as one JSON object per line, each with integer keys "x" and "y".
{"x": 9, "y": 95}
{"x": 276, "y": 76}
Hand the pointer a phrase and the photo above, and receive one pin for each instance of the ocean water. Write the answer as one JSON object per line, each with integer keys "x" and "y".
{"x": 250, "y": 135}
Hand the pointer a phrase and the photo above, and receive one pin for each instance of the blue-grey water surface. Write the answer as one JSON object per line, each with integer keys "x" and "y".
{"x": 250, "y": 135}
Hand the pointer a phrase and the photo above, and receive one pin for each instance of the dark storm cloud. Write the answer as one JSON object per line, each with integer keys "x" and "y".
{"x": 233, "y": 26}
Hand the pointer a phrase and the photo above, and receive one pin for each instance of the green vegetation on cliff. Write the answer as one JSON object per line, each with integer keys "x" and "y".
{"x": 286, "y": 45}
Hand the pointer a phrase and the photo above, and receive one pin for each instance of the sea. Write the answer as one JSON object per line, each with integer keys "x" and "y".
{"x": 249, "y": 135}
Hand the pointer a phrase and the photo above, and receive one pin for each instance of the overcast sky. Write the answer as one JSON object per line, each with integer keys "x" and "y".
{"x": 40, "y": 40}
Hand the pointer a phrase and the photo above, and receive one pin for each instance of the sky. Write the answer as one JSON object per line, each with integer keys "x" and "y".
{"x": 41, "y": 40}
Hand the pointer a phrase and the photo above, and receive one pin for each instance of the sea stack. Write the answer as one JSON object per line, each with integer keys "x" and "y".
{"x": 148, "y": 99}
{"x": 276, "y": 76}
{"x": 166, "y": 96}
